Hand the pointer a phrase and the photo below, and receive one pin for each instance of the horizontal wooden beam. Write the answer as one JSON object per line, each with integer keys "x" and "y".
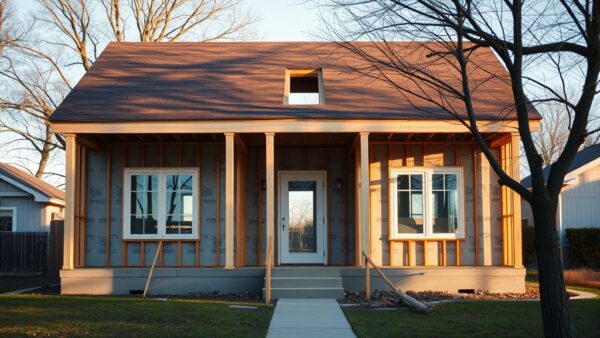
{"x": 285, "y": 126}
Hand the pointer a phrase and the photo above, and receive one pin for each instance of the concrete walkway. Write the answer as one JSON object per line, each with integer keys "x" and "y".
{"x": 309, "y": 318}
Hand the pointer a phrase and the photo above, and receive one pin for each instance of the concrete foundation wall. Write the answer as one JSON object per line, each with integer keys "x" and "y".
{"x": 182, "y": 281}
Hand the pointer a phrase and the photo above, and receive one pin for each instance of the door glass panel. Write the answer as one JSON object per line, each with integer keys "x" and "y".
{"x": 302, "y": 216}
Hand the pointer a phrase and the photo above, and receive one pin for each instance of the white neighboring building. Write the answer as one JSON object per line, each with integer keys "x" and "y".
{"x": 579, "y": 201}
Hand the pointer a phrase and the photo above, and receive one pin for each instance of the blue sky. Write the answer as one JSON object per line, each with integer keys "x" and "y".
{"x": 279, "y": 20}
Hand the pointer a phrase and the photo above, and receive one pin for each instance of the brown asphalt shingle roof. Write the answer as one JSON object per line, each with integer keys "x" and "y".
{"x": 32, "y": 181}
{"x": 245, "y": 81}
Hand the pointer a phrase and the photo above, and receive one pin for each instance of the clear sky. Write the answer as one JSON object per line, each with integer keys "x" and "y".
{"x": 285, "y": 20}
{"x": 279, "y": 20}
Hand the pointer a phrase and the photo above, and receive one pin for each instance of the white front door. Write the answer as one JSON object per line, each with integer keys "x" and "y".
{"x": 302, "y": 217}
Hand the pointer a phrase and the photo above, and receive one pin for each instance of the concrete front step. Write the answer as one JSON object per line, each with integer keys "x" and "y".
{"x": 306, "y": 282}
{"x": 329, "y": 293}
{"x": 305, "y": 272}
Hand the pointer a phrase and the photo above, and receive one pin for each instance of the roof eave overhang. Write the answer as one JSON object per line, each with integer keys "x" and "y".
{"x": 288, "y": 126}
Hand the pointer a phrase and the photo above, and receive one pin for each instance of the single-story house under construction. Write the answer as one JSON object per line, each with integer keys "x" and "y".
{"x": 217, "y": 152}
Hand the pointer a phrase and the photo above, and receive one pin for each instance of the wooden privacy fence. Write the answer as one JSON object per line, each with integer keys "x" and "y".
{"x": 32, "y": 251}
{"x": 24, "y": 251}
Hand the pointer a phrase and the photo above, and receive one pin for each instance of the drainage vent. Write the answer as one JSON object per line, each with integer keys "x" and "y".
{"x": 466, "y": 290}
{"x": 136, "y": 292}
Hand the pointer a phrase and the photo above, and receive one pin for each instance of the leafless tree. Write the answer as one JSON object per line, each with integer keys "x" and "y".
{"x": 552, "y": 137}
{"x": 172, "y": 20}
{"x": 65, "y": 38}
{"x": 560, "y": 37}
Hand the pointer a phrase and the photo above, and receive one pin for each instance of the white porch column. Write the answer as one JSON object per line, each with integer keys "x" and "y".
{"x": 365, "y": 214}
{"x": 70, "y": 179}
{"x": 270, "y": 178}
{"x": 229, "y": 199}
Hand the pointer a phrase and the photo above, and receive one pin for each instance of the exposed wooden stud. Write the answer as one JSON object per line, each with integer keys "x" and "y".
{"x": 345, "y": 192}
{"x": 199, "y": 168}
{"x": 108, "y": 201}
{"x": 475, "y": 208}
{"x": 517, "y": 238}
{"x": 142, "y": 254}
{"x": 425, "y": 258}
{"x": 328, "y": 201}
{"x": 389, "y": 207}
{"x": 179, "y": 256}
{"x": 443, "y": 253}
{"x": 259, "y": 165}
{"x": 411, "y": 253}
{"x": 218, "y": 208}
{"x": 124, "y": 163}
{"x": 457, "y": 248}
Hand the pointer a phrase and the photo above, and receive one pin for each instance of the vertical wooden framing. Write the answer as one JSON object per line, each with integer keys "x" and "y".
{"x": 125, "y": 163}
{"x": 345, "y": 192}
{"x": 389, "y": 206}
{"x": 517, "y": 239}
{"x": 328, "y": 224}
{"x": 240, "y": 203}
{"x": 108, "y": 201}
{"x": 475, "y": 209}
{"x": 199, "y": 241}
{"x": 218, "y": 208}
{"x": 357, "y": 218}
{"x": 259, "y": 165}
{"x": 270, "y": 178}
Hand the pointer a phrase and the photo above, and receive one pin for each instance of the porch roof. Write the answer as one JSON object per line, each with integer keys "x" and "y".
{"x": 245, "y": 81}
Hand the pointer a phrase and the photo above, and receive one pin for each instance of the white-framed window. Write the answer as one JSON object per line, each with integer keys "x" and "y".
{"x": 8, "y": 219}
{"x": 160, "y": 203}
{"x": 427, "y": 203}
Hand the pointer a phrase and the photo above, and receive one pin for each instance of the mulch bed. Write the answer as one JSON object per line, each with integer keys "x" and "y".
{"x": 383, "y": 299}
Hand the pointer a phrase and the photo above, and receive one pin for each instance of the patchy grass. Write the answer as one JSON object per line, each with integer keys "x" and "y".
{"x": 470, "y": 318}
{"x": 583, "y": 277}
{"x": 127, "y": 316}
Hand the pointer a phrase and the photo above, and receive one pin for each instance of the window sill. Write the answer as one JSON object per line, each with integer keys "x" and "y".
{"x": 427, "y": 238}
{"x": 159, "y": 239}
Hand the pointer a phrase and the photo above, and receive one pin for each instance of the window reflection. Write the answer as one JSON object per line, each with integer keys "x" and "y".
{"x": 302, "y": 216}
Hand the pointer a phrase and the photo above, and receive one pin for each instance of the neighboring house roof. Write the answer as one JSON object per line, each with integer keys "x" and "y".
{"x": 585, "y": 159}
{"x": 41, "y": 191}
{"x": 245, "y": 81}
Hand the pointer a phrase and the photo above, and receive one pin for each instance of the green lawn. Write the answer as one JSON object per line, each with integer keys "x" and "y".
{"x": 470, "y": 318}
{"x": 127, "y": 316}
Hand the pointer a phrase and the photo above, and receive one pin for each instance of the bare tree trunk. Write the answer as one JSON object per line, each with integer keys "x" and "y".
{"x": 554, "y": 299}
{"x": 45, "y": 154}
